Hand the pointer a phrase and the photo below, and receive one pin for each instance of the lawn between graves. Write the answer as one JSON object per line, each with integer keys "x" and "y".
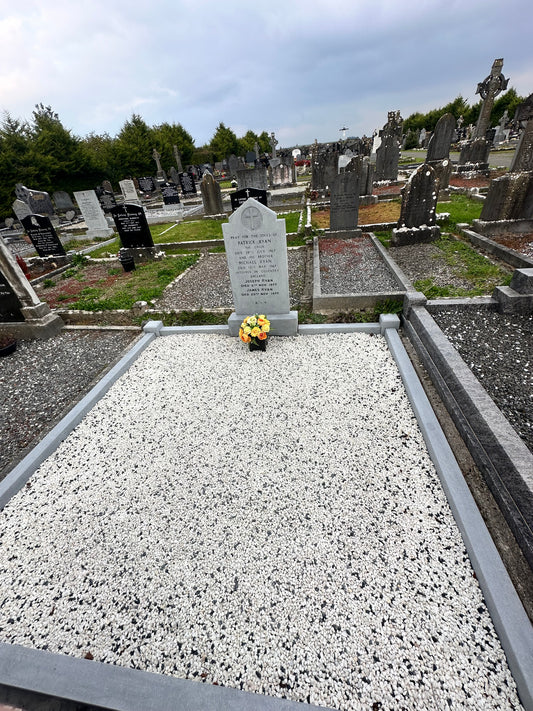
{"x": 196, "y": 231}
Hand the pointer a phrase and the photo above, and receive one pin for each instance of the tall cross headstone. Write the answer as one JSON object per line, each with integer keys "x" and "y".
{"x": 256, "y": 250}
{"x": 489, "y": 89}
{"x": 273, "y": 143}
{"x": 157, "y": 157}
{"x": 177, "y": 158}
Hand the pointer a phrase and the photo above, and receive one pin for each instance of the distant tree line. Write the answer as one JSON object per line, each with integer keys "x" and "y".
{"x": 459, "y": 107}
{"x": 44, "y": 155}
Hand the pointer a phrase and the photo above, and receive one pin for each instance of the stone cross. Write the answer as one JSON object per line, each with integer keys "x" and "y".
{"x": 489, "y": 90}
{"x": 273, "y": 143}
{"x": 157, "y": 157}
{"x": 177, "y": 158}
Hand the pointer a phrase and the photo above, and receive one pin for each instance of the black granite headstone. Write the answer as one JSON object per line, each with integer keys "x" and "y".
{"x": 9, "y": 303}
{"x": 147, "y": 184}
{"x": 132, "y": 226}
{"x": 43, "y": 235}
{"x": 239, "y": 196}
{"x": 106, "y": 199}
{"x": 170, "y": 193}
{"x": 187, "y": 184}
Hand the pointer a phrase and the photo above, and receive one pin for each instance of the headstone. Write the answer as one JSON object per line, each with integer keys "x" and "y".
{"x": 174, "y": 176}
{"x": 489, "y": 90}
{"x": 62, "y": 201}
{"x": 417, "y": 221}
{"x": 147, "y": 185}
{"x": 21, "y": 209}
{"x": 240, "y": 196}
{"x": 366, "y": 180}
{"x": 211, "y": 195}
{"x": 250, "y": 157}
{"x": 160, "y": 172}
{"x": 177, "y": 158}
{"x": 187, "y": 184}
{"x": 422, "y": 137}
{"x": 43, "y": 235}
{"x": 252, "y": 178}
{"x": 106, "y": 185}
{"x": 19, "y": 304}
{"x": 233, "y": 165}
{"x": 170, "y": 193}
{"x": 523, "y": 155}
{"x": 92, "y": 214}
{"x": 501, "y": 135}
{"x": 441, "y": 139}
{"x": 387, "y": 158}
{"x": 133, "y": 229}
{"x": 474, "y": 155}
{"x": 510, "y": 197}
{"x": 344, "y": 201}
{"x": 273, "y": 143}
{"x": 257, "y": 150}
{"x": 39, "y": 201}
{"x": 325, "y": 168}
{"x": 9, "y": 222}
{"x": 256, "y": 250}
{"x": 106, "y": 199}
{"x": 70, "y": 215}
{"x": 129, "y": 192}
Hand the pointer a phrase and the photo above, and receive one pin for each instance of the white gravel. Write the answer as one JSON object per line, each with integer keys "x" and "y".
{"x": 268, "y": 521}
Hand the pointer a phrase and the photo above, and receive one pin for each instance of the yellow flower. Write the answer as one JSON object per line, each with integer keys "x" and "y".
{"x": 266, "y": 327}
{"x": 247, "y": 330}
{"x": 255, "y": 331}
{"x": 252, "y": 321}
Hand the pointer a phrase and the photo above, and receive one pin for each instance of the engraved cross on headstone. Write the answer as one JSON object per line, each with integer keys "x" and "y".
{"x": 489, "y": 90}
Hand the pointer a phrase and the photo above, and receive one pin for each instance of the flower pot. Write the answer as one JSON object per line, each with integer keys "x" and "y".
{"x": 260, "y": 346}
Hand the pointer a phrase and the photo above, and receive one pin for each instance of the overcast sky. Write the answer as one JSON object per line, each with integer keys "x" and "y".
{"x": 300, "y": 69}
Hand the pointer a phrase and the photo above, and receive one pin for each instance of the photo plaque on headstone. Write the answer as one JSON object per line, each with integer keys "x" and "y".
{"x": 43, "y": 235}
{"x": 132, "y": 226}
{"x": 239, "y": 196}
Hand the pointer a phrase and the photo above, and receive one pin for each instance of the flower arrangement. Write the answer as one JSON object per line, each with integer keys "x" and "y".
{"x": 254, "y": 330}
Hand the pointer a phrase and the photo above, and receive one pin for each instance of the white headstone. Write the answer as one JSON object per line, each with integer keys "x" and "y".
{"x": 21, "y": 209}
{"x": 127, "y": 188}
{"x": 256, "y": 250}
{"x": 93, "y": 214}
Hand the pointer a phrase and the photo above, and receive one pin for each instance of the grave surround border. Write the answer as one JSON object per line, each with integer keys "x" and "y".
{"x": 111, "y": 687}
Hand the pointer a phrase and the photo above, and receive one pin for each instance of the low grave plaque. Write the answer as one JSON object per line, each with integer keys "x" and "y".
{"x": 239, "y": 196}
{"x": 170, "y": 193}
{"x": 132, "y": 226}
{"x": 43, "y": 235}
{"x": 187, "y": 184}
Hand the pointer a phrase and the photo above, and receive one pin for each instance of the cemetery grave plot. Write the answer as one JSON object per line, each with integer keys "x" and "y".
{"x": 352, "y": 266}
{"x": 474, "y": 181}
{"x": 329, "y": 592}
{"x": 95, "y": 287}
{"x": 368, "y": 215}
{"x": 498, "y": 348}
{"x": 522, "y": 243}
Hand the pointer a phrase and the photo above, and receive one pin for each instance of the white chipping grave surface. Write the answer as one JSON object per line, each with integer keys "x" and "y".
{"x": 259, "y": 521}
{"x": 256, "y": 250}
{"x": 92, "y": 214}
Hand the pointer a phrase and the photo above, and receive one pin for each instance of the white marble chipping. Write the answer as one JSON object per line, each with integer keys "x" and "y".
{"x": 266, "y": 521}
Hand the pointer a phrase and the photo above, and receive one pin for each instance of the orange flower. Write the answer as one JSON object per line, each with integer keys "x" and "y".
{"x": 246, "y": 338}
{"x": 262, "y": 336}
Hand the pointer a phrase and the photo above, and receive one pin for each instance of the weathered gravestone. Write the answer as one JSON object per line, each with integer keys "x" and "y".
{"x": 21, "y": 209}
{"x": 187, "y": 184}
{"x": 38, "y": 201}
{"x": 523, "y": 155}
{"x": 325, "y": 168}
{"x": 510, "y": 197}
{"x": 250, "y": 157}
{"x": 344, "y": 201}
{"x": 177, "y": 158}
{"x": 387, "y": 157}
{"x": 240, "y": 196}
{"x": 62, "y": 201}
{"x": 92, "y": 214}
{"x": 106, "y": 185}
{"x": 170, "y": 194}
{"x": 474, "y": 156}
{"x": 174, "y": 176}
{"x": 106, "y": 198}
{"x": 256, "y": 250}
{"x": 253, "y": 178}
{"x": 417, "y": 221}
{"x": 441, "y": 138}
{"x": 21, "y": 312}
{"x": 147, "y": 184}
{"x": 129, "y": 192}
{"x": 134, "y": 232}
{"x": 43, "y": 235}
{"x": 211, "y": 195}
{"x": 160, "y": 172}
{"x": 233, "y": 165}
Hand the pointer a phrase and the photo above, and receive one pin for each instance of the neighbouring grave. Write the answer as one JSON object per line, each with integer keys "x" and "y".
{"x": 147, "y": 185}
{"x": 417, "y": 221}
{"x": 129, "y": 192}
{"x": 240, "y": 196}
{"x": 134, "y": 232}
{"x": 250, "y": 157}
{"x": 63, "y": 201}
{"x": 438, "y": 153}
{"x": 43, "y": 235}
{"x": 21, "y": 209}
{"x": 160, "y": 172}
{"x": 92, "y": 214}
{"x": 256, "y": 250}
{"x": 325, "y": 168}
{"x": 387, "y": 158}
{"x": 21, "y": 312}
{"x": 211, "y": 195}
{"x": 177, "y": 158}
{"x": 233, "y": 165}
{"x": 170, "y": 195}
{"x": 38, "y": 201}
{"x": 187, "y": 184}
{"x": 253, "y": 178}
{"x": 344, "y": 202}
{"x": 106, "y": 198}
